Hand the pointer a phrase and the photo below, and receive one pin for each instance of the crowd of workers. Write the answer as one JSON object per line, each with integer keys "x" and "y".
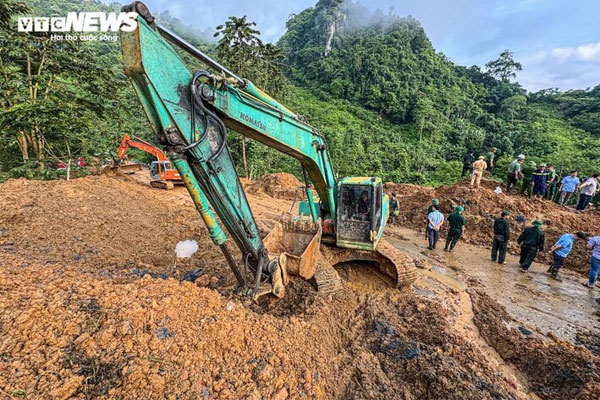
{"x": 540, "y": 182}
{"x": 531, "y": 240}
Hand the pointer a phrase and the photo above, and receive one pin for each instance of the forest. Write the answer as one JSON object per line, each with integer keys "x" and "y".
{"x": 388, "y": 103}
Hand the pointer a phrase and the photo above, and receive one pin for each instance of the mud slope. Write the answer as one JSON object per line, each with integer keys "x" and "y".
{"x": 77, "y": 321}
{"x": 482, "y": 205}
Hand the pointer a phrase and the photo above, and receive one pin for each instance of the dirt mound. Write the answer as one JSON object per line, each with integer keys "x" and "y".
{"x": 108, "y": 224}
{"x": 279, "y": 185}
{"x": 482, "y": 205}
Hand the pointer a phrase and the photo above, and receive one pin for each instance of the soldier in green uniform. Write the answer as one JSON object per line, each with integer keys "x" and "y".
{"x": 394, "y": 208}
{"x": 531, "y": 240}
{"x": 526, "y": 185}
{"x": 501, "y": 237}
{"x": 457, "y": 226}
{"x": 551, "y": 182}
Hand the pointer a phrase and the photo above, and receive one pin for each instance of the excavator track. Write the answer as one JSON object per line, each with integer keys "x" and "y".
{"x": 326, "y": 279}
{"x": 162, "y": 184}
{"x": 392, "y": 262}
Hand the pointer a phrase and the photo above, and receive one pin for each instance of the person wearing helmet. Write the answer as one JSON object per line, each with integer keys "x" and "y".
{"x": 435, "y": 219}
{"x": 527, "y": 184}
{"x": 514, "y": 173}
{"x": 457, "y": 227}
{"x": 531, "y": 240}
{"x": 501, "y": 237}
{"x": 539, "y": 180}
{"x": 434, "y": 202}
{"x": 478, "y": 167}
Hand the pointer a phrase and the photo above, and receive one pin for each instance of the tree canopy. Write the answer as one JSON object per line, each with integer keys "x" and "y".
{"x": 388, "y": 103}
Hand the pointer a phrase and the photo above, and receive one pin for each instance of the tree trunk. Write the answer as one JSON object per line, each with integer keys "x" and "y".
{"x": 23, "y": 146}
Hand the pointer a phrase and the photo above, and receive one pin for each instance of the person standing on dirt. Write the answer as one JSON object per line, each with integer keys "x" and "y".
{"x": 561, "y": 250}
{"x": 539, "y": 180}
{"x": 513, "y": 174}
{"x": 489, "y": 159}
{"x": 567, "y": 187}
{"x": 457, "y": 223}
{"x": 501, "y": 237}
{"x": 594, "y": 245}
{"x": 394, "y": 208}
{"x": 467, "y": 163}
{"x": 527, "y": 184}
{"x": 478, "y": 167}
{"x": 587, "y": 192}
{"x": 532, "y": 240}
{"x": 362, "y": 206}
{"x": 435, "y": 220}
{"x": 552, "y": 181}
{"x": 434, "y": 202}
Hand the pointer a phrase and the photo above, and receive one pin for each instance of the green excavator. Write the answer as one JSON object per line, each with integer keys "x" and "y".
{"x": 190, "y": 114}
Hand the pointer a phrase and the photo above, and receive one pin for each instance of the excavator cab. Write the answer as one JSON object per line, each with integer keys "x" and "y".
{"x": 361, "y": 213}
{"x": 158, "y": 168}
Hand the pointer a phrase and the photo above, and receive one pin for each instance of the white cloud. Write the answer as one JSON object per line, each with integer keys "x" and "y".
{"x": 575, "y": 67}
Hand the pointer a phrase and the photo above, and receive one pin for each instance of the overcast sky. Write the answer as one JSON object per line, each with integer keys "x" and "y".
{"x": 557, "y": 41}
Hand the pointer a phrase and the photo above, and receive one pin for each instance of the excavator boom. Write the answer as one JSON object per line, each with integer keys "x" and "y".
{"x": 190, "y": 114}
{"x": 135, "y": 142}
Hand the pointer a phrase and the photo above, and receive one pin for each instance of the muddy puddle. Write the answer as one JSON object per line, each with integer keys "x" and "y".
{"x": 541, "y": 304}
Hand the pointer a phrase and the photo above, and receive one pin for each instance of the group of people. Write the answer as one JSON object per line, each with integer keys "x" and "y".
{"x": 435, "y": 220}
{"x": 479, "y": 166}
{"x": 531, "y": 240}
{"x": 540, "y": 182}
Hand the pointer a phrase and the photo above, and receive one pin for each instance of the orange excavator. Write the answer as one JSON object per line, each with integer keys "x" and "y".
{"x": 162, "y": 173}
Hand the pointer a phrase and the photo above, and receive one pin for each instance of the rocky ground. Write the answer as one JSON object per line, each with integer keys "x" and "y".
{"x": 93, "y": 305}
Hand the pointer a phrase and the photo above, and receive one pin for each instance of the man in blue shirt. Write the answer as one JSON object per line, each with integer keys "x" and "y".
{"x": 435, "y": 219}
{"x": 567, "y": 187}
{"x": 561, "y": 250}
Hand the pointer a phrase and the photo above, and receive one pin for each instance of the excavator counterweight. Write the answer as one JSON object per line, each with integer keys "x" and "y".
{"x": 342, "y": 220}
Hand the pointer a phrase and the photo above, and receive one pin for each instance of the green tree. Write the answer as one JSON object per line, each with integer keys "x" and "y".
{"x": 504, "y": 67}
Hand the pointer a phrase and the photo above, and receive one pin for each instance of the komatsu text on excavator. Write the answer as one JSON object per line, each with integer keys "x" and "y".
{"x": 190, "y": 113}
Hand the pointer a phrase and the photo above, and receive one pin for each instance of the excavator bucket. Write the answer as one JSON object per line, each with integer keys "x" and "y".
{"x": 296, "y": 243}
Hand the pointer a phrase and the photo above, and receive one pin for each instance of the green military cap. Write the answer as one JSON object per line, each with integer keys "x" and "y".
{"x": 459, "y": 209}
{"x": 537, "y": 223}
{"x": 435, "y": 202}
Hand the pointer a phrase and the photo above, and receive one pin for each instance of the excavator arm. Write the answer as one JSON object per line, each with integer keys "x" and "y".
{"x": 190, "y": 114}
{"x": 129, "y": 141}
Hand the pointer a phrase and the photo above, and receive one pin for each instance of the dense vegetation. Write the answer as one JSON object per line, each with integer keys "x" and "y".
{"x": 388, "y": 103}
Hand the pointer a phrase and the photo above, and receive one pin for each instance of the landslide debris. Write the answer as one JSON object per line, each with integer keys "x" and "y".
{"x": 482, "y": 205}
{"x": 92, "y": 328}
{"x": 279, "y": 185}
{"x": 555, "y": 370}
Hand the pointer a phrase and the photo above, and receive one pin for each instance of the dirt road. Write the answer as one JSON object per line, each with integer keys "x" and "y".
{"x": 78, "y": 321}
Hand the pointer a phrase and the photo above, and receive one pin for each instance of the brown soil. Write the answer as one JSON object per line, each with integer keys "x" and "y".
{"x": 482, "y": 205}
{"x": 77, "y": 321}
{"x": 279, "y": 185}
